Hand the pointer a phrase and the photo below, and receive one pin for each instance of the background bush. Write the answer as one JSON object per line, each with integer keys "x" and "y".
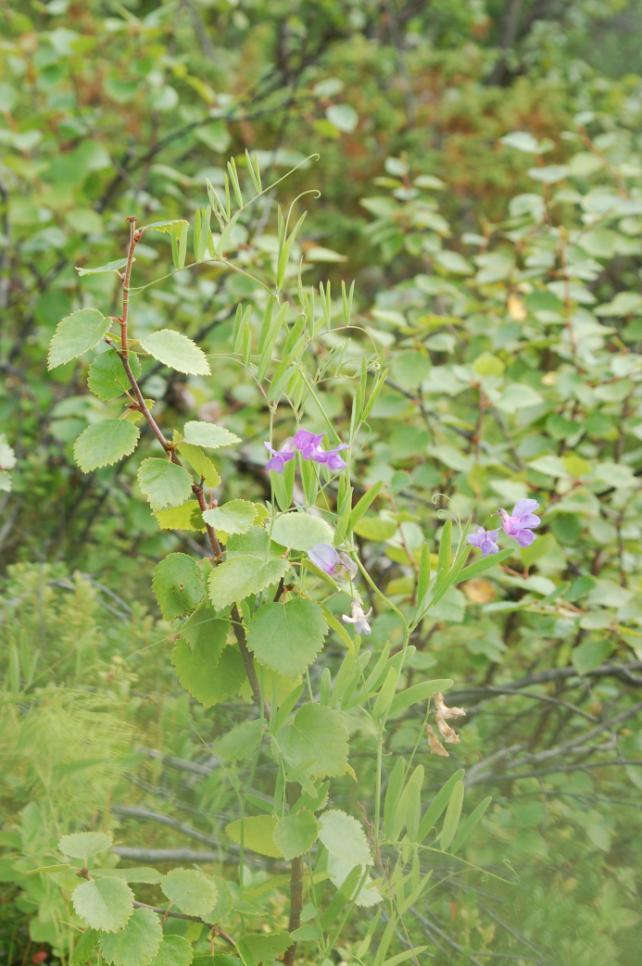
{"x": 479, "y": 175}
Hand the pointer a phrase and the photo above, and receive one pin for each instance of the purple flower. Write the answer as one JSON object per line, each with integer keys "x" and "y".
{"x": 331, "y": 457}
{"x": 485, "y": 540}
{"x": 332, "y": 561}
{"x": 358, "y": 618}
{"x": 521, "y": 522}
{"x": 279, "y": 457}
{"x": 308, "y": 444}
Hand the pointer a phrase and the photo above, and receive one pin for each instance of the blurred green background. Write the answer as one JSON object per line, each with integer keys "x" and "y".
{"x": 479, "y": 176}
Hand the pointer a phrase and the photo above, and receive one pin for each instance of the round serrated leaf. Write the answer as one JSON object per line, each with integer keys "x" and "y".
{"x": 107, "y": 378}
{"x": 164, "y": 483}
{"x": 237, "y": 578}
{"x": 344, "y": 837}
{"x": 104, "y": 443}
{"x": 76, "y": 334}
{"x": 316, "y": 742}
{"x": 178, "y": 352}
{"x": 173, "y": 951}
{"x": 295, "y": 834}
{"x": 301, "y": 531}
{"x": 287, "y": 637}
{"x": 137, "y": 943}
{"x": 82, "y": 845}
{"x": 190, "y": 891}
{"x": 105, "y": 903}
{"x": 178, "y": 585}
{"x": 208, "y": 435}
{"x": 206, "y": 668}
{"x": 187, "y": 516}
{"x": 236, "y": 516}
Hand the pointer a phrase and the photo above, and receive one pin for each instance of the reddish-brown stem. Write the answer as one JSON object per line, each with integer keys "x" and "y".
{"x": 296, "y": 885}
{"x": 248, "y": 661}
{"x": 217, "y": 553}
{"x": 134, "y": 238}
{"x": 142, "y": 405}
{"x": 197, "y": 488}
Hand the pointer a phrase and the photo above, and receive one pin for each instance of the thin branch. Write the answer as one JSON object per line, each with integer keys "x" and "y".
{"x": 624, "y": 672}
{"x": 164, "y": 855}
{"x": 147, "y": 814}
{"x": 198, "y": 768}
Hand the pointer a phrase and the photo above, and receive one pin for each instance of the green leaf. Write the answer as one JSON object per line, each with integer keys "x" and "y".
{"x": 240, "y": 742}
{"x": 238, "y": 577}
{"x": 549, "y": 173}
{"x": 201, "y": 626}
{"x": 76, "y": 334}
{"x": 451, "y": 818}
{"x": 343, "y": 117}
{"x": 85, "y": 949}
{"x": 316, "y": 742}
{"x": 418, "y": 692}
{"x": 107, "y": 378}
{"x": 438, "y": 804}
{"x": 467, "y": 827}
{"x": 344, "y": 837}
{"x": 522, "y": 141}
{"x": 259, "y": 947}
{"x": 364, "y": 504}
{"x": 137, "y": 943}
{"x": 116, "y": 266}
{"x": 190, "y": 891}
{"x": 236, "y": 516}
{"x": 200, "y": 463}
{"x": 589, "y": 655}
{"x": 206, "y": 668}
{"x": 296, "y": 833}
{"x": 301, "y": 531}
{"x": 7, "y": 455}
{"x": 170, "y": 226}
{"x": 208, "y": 435}
{"x": 173, "y": 951}
{"x": 104, "y": 443}
{"x": 104, "y": 904}
{"x": 287, "y": 637}
{"x": 256, "y": 833}
{"x": 178, "y": 584}
{"x": 177, "y": 352}
{"x": 481, "y": 566}
{"x": 185, "y": 517}
{"x": 163, "y": 483}
{"x": 83, "y": 845}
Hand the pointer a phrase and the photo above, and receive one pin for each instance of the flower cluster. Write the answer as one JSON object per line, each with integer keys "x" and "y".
{"x": 337, "y": 564}
{"x": 309, "y": 446}
{"x": 519, "y": 524}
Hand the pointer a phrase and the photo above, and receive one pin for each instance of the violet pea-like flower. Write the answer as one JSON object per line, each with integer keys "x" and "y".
{"x": 331, "y": 457}
{"x": 307, "y": 443}
{"x": 521, "y": 522}
{"x": 358, "y": 618}
{"x": 331, "y": 561}
{"x": 484, "y": 540}
{"x": 279, "y": 457}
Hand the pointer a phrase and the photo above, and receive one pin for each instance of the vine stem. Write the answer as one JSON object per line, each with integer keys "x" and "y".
{"x": 296, "y": 884}
{"x": 135, "y": 235}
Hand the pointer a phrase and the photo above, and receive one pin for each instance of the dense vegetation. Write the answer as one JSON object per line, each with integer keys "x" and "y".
{"x": 460, "y": 306}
